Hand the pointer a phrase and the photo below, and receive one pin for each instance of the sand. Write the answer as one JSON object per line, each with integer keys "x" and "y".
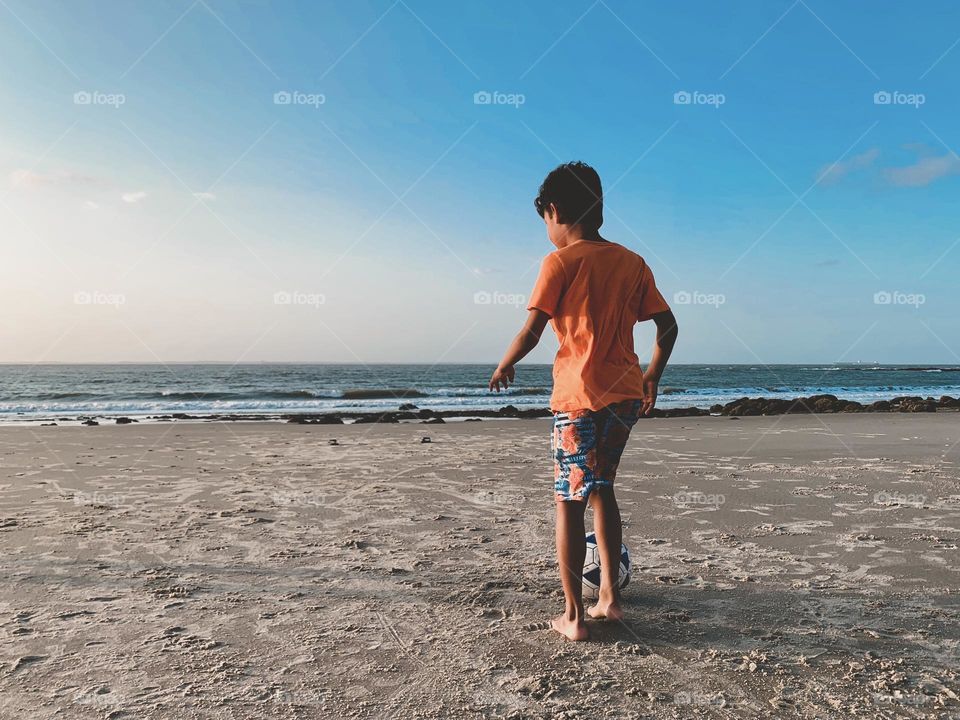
{"x": 792, "y": 566}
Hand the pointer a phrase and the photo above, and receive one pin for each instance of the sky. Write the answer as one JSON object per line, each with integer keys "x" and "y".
{"x": 227, "y": 181}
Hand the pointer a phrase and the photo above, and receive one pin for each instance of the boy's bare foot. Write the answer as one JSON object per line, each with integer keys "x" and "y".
{"x": 574, "y": 630}
{"x": 606, "y": 610}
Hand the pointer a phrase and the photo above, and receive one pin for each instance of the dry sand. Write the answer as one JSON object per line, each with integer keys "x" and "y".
{"x": 793, "y": 566}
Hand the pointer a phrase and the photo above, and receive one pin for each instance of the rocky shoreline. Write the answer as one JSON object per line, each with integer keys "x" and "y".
{"x": 743, "y": 406}
{"x": 833, "y": 404}
{"x": 409, "y": 412}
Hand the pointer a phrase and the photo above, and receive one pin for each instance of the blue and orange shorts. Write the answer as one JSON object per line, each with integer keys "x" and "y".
{"x": 587, "y": 445}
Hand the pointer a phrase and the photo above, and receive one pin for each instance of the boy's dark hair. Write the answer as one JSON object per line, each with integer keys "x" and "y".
{"x": 576, "y": 191}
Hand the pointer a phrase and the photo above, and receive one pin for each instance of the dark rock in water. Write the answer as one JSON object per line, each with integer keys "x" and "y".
{"x": 898, "y": 404}
{"x": 427, "y": 414}
{"x": 738, "y": 406}
{"x": 124, "y": 421}
{"x": 748, "y": 406}
{"x": 779, "y": 406}
{"x": 914, "y": 405}
{"x": 48, "y": 425}
{"x": 180, "y": 416}
{"x": 425, "y": 439}
{"x": 509, "y": 411}
{"x": 949, "y": 402}
{"x": 911, "y": 403}
{"x": 434, "y": 421}
{"x": 408, "y": 406}
{"x": 333, "y": 441}
{"x": 716, "y": 409}
{"x": 473, "y": 420}
{"x": 90, "y": 421}
{"x": 903, "y": 399}
{"x": 830, "y": 404}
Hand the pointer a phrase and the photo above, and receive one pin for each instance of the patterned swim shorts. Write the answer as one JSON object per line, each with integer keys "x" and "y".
{"x": 587, "y": 445}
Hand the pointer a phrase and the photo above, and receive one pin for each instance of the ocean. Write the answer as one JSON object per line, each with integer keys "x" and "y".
{"x": 68, "y": 391}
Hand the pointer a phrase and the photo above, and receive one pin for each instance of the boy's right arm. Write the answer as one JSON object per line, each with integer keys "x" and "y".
{"x": 666, "y": 338}
{"x": 544, "y": 299}
{"x": 525, "y": 341}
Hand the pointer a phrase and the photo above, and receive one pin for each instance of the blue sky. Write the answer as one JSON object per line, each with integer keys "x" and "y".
{"x": 182, "y": 214}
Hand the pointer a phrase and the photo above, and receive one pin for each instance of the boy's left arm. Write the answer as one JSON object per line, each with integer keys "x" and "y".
{"x": 525, "y": 341}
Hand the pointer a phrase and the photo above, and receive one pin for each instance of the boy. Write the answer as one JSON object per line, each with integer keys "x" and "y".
{"x": 594, "y": 291}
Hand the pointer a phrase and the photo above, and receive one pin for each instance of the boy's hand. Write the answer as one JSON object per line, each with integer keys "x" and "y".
{"x": 502, "y": 375}
{"x": 649, "y": 396}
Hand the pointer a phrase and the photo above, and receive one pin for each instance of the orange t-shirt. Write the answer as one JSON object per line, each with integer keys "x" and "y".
{"x": 594, "y": 293}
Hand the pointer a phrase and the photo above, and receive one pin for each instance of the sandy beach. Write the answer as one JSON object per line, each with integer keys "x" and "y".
{"x": 791, "y": 566}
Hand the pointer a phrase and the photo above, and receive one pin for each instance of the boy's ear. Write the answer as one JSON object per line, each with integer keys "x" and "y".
{"x": 552, "y": 211}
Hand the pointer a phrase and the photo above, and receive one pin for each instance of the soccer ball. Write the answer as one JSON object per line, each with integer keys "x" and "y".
{"x": 591, "y": 568}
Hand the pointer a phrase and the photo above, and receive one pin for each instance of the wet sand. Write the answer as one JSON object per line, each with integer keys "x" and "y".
{"x": 791, "y": 566}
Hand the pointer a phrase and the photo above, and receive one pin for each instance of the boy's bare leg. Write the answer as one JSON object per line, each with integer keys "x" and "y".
{"x": 609, "y": 530}
{"x": 571, "y": 551}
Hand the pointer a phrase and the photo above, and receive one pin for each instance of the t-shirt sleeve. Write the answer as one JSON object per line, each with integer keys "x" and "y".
{"x": 651, "y": 301}
{"x": 549, "y": 286}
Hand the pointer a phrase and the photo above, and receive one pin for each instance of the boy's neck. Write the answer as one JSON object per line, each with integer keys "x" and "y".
{"x": 576, "y": 233}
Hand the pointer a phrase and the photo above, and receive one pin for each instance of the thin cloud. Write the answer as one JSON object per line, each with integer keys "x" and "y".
{"x": 133, "y": 197}
{"x": 37, "y": 180}
{"x": 832, "y": 174}
{"x": 924, "y": 171}
{"x": 205, "y": 196}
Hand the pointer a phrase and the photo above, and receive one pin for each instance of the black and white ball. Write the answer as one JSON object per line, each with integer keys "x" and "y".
{"x": 591, "y": 568}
